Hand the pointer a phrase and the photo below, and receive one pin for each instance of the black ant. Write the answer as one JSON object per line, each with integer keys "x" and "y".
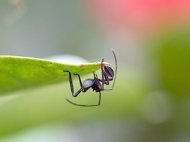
{"x": 96, "y": 84}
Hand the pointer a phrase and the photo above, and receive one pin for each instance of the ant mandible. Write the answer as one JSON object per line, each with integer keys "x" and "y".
{"x": 96, "y": 84}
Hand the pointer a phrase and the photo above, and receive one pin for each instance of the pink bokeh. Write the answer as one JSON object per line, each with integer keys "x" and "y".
{"x": 139, "y": 15}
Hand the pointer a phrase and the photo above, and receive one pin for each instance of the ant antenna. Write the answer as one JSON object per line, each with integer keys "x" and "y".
{"x": 115, "y": 58}
{"x": 86, "y": 105}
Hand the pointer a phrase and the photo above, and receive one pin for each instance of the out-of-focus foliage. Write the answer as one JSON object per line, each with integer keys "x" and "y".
{"x": 174, "y": 62}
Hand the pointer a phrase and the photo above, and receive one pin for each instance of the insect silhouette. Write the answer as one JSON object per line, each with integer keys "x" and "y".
{"x": 108, "y": 74}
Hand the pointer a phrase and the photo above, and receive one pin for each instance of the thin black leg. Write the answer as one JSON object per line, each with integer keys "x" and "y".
{"x": 72, "y": 87}
{"x": 100, "y": 97}
{"x": 99, "y": 102}
{"x": 71, "y": 83}
{"x": 79, "y": 79}
{"x": 106, "y": 79}
{"x": 79, "y": 91}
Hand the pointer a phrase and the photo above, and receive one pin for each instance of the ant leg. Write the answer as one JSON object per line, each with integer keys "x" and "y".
{"x": 107, "y": 83}
{"x": 72, "y": 87}
{"x": 100, "y": 97}
{"x": 79, "y": 79}
{"x": 106, "y": 79}
{"x": 76, "y": 104}
{"x": 71, "y": 83}
{"x": 99, "y": 101}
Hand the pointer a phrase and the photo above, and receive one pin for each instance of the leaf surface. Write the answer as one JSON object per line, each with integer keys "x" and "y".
{"x": 23, "y": 72}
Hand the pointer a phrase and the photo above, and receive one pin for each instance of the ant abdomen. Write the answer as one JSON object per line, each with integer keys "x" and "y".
{"x": 87, "y": 83}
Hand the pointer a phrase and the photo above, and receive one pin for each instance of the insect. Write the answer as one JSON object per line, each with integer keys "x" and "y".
{"x": 95, "y": 83}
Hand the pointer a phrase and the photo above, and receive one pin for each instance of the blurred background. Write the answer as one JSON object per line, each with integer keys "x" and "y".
{"x": 151, "y": 98}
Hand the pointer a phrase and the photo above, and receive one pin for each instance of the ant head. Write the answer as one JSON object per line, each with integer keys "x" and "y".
{"x": 109, "y": 72}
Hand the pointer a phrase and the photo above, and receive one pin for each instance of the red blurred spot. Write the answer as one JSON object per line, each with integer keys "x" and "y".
{"x": 139, "y": 14}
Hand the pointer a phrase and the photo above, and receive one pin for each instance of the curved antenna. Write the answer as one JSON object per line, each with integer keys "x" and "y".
{"x": 99, "y": 101}
{"x": 115, "y": 58}
{"x": 103, "y": 81}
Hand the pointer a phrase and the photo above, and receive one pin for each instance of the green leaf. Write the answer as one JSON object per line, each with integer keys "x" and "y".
{"x": 24, "y": 72}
